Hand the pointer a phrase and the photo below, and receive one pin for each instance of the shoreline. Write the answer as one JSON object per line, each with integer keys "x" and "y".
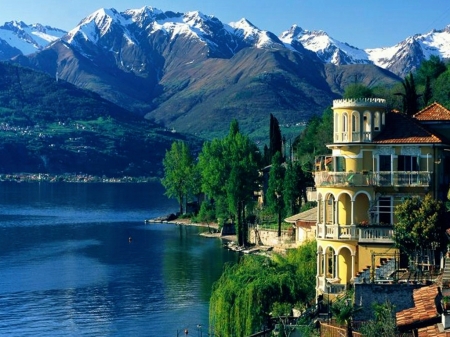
{"x": 72, "y": 178}
{"x": 187, "y": 222}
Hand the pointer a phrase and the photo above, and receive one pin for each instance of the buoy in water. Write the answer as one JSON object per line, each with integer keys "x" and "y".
{"x": 130, "y": 239}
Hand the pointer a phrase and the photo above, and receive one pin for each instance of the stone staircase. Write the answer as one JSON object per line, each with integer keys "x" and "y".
{"x": 446, "y": 273}
{"x": 383, "y": 272}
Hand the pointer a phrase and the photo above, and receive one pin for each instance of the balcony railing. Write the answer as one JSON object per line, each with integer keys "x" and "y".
{"x": 369, "y": 234}
{"x": 343, "y": 232}
{"x": 376, "y": 233}
{"x": 397, "y": 178}
{"x": 327, "y": 286}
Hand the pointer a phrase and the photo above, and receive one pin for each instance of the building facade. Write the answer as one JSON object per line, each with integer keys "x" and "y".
{"x": 378, "y": 158}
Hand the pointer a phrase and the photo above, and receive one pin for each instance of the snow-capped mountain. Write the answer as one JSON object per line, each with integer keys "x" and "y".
{"x": 221, "y": 40}
{"x": 401, "y": 59}
{"x": 329, "y": 50}
{"x": 182, "y": 68}
{"x": 16, "y": 37}
{"x": 407, "y": 55}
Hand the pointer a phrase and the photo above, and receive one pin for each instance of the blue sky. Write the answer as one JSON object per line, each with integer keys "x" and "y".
{"x": 362, "y": 23}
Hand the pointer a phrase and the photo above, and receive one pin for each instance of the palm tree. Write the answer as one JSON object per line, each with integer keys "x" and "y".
{"x": 410, "y": 96}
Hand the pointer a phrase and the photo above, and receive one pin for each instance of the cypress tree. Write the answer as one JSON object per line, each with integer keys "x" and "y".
{"x": 276, "y": 142}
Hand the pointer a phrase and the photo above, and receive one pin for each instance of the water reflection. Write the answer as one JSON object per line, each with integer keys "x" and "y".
{"x": 68, "y": 269}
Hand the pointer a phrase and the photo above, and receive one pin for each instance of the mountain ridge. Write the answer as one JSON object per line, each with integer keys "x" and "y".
{"x": 181, "y": 68}
{"x": 329, "y": 49}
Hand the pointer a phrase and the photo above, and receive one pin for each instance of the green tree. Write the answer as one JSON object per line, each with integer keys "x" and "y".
{"x": 294, "y": 188}
{"x": 343, "y": 310}
{"x": 384, "y": 324}
{"x": 357, "y": 90}
{"x": 441, "y": 89}
{"x": 410, "y": 96}
{"x": 276, "y": 141}
{"x": 230, "y": 176}
{"x": 420, "y": 224}
{"x": 312, "y": 142}
{"x": 427, "y": 92}
{"x": 178, "y": 169}
{"x": 431, "y": 69}
{"x": 246, "y": 292}
{"x": 275, "y": 189}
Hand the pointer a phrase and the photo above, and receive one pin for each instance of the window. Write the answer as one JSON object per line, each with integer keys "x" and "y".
{"x": 408, "y": 163}
{"x": 344, "y": 122}
{"x": 340, "y": 164}
{"x": 385, "y": 163}
{"x": 355, "y": 121}
{"x": 336, "y": 123}
{"x": 377, "y": 121}
{"x": 385, "y": 210}
{"x": 367, "y": 122}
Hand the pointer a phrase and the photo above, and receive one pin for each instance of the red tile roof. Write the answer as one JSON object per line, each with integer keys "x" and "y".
{"x": 402, "y": 129}
{"x": 433, "y": 112}
{"x": 424, "y": 309}
{"x": 432, "y": 331}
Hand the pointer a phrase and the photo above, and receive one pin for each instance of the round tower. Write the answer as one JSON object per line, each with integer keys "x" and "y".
{"x": 358, "y": 120}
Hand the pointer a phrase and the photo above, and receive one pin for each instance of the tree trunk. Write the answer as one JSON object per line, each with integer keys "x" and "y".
{"x": 349, "y": 329}
{"x": 181, "y": 204}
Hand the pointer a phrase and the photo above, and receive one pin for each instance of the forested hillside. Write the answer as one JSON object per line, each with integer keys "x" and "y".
{"x": 51, "y": 126}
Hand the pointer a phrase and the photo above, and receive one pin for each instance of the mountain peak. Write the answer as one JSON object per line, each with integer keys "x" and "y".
{"x": 255, "y": 36}
{"x": 28, "y": 39}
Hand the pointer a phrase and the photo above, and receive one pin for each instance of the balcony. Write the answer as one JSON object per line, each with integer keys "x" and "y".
{"x": 337, "y": 232}
{"x": 376, "y": 233}
{"x": 369, "y": 234}
{"x": 380, "y": 179}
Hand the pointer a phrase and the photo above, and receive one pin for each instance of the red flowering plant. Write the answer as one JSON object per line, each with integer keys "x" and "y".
{"x": 363, "y": 223}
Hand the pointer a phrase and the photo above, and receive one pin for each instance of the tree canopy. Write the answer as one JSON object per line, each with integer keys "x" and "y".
{"x": 246, "y": 292}
{"x": 229, "y": 170}
{"x": 420, "y": 223}
{"x": 358, "y": 90}
{"x": 178, "y": 172}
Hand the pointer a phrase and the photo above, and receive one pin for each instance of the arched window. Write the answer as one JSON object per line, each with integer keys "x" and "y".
{"x": 336, "y": 127}
{"x": 383, "y": 118}
{"x": 376, "y": 121}
{"x": 344, "y": 126}
{"x": 367, "y": 122}
{"x": 344, "y": 122}
{"x": 356, "y": 127}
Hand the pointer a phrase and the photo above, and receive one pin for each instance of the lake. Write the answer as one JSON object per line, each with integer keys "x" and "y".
{"x": 68, "y": 268}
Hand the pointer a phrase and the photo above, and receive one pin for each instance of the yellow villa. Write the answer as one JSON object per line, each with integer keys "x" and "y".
{"x": 378, "y": 158}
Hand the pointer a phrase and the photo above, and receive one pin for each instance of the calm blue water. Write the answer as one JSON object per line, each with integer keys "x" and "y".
{"x": 67, "y": 267}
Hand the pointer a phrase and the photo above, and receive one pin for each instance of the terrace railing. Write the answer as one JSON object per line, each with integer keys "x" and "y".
{"x": 364, "y": 178}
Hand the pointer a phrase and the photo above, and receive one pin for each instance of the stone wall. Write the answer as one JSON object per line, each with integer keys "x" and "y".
{"x": 269, "y": 237}
{"x": 400, "y": 295}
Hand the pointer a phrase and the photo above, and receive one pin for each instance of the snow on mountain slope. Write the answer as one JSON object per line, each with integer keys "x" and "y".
{"x": 402, "y": 58}
{"x": 436, "y": 42}
{"x": 105, "y": 27}
{"x": 221, "y": 38}
{"x": 29, "y": 38}
{"x": 329, "y": 50}
{"x": 253, "y": 35}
